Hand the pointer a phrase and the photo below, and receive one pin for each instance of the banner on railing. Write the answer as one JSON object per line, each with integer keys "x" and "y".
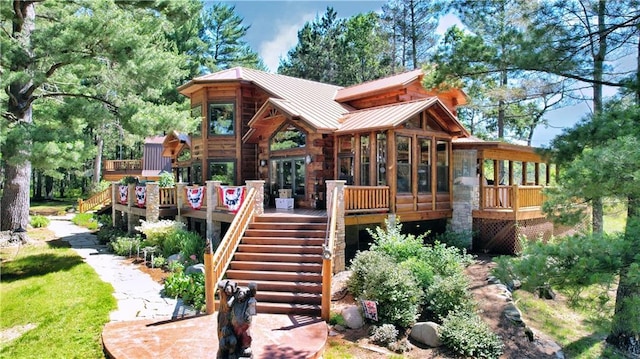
{"x": 370, "y": 310}
{"x": 141, "y": 196}
{"x": 232, "y": 197}
{"x": 124, "y": 194}
{"x": 195, "y": 197}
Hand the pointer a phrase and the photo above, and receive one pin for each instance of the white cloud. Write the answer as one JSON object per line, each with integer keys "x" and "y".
{"x": 446, "y": 22}
{"x": 286, "y": 37}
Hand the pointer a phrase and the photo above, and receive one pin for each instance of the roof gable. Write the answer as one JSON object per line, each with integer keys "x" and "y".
{"x": 378, "y": 86}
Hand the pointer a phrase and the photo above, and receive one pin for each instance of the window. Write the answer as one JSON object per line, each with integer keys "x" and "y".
{"x": 382, "y": 159}
{"x": 403, "y": 145}
{"x": 196, "y": 173}
{"x": 221, "y": 119}
{"x": 442, "y": 154}
{"x": 223, "y": 171}
{"x": 364, "y": 160}
{"x": 287, "y": 138}
{"x": 184, "y": 155}
{"x": 196, "y": 112}
{"x": 424, "y": 166}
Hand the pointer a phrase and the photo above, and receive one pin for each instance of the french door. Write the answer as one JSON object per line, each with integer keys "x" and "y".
{"x": 287, "y": 173}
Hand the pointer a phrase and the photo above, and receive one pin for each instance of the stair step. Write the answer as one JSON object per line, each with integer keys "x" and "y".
{"x": 284, "y": 241}
{"x": 291, "y": 219}
{"x": 288, "y": 297}
{"x": 285, "y": 308}
{"x": 289, "y": 226}
{"x": 259, "y": 248}
{"x": 276, "y": 266}
{"x": 234, "y": 274}
{"x": 278, "y": 257}
{"x": 277, "y": 232}
{"x": 283, "y": 286}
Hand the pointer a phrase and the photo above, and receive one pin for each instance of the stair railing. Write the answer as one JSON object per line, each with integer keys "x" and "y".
{"x": 100, "y": 198}
{"x": 224, "y": 253}
{"x": 327, "y": 256}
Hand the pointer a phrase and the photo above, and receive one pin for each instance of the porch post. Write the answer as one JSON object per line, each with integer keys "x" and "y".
{"x": 180, "y": 193}
{"x": 132, "y": 220}
{"x": 214, "y": 228}
{"x": 340, "y": 244}
{"x": 258, "y": 208}
{"x": 153, "y": 202}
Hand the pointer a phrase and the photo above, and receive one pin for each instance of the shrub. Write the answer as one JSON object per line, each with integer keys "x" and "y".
{"x": 449, "y": 294}
{"x": 461, "y": 240}
{"x": 469, "y": 336}
{"x": 377, "y": 277}
{"x": 159, "y": 262}
{"x": 446, "y": 261}
{"x": 188, "y": 287}
{"x": 125, "y": 246}
{"x": 337, "y": 319}
{"x": 395, "y": 244}
{"x": 39, "y": 221}
{"x": 157, "y": 232}
{"x": 85, "y": 220}
{"x": 128, "y": 180}
{"x": 107, "y": 234}
{"x": 384, "y": 334}
{"x": 166, "y": 179}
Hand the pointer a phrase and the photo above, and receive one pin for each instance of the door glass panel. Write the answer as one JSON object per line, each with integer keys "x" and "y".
{"x": 364, "y": 160}
{"x": 424, "y": 166}
{"x": 288, "y": 173}
{"x": 443, "y": 166}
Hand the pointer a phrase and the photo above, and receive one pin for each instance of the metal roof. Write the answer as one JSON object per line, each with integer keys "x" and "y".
{"x": 380, "y": 85}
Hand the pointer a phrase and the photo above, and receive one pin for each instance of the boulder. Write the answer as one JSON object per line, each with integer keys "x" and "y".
{"x": 196, "y": 268}
{"x": 427, "y": 333}
{"x": 174, "y": 258}
{"x": 352, "y": 317}
{"x": 513, "y": 314}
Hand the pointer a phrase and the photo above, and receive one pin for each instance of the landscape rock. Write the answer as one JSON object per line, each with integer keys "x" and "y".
{"x": 426, "y": 333}
{"x": 196, "y": 268}
{"x": 174, "y": 258}
{"x": 513, "y": 314}
{"x": 352, "y": 317}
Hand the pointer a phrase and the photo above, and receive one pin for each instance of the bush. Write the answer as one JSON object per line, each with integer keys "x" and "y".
{"x": 446, "y": 261}
{"x": 384, "y": 334}
{"x": 395, "y": 244}
{"x": 166, "y": 179}
{"x": 85, "y": 220}
{"x": 337, "y": 319}
{"x": 469, "y": 336}
{"x": 449, "y": 294}
{"x": 39, "y": 221}
{"x": 107, "y": 234}
{"x": 377, "y": 277}
{"x": 159, "y": 262}
{"x": 461, "y": 240}
{"x": 157, "y": 232}
{"x": 188, "y": 287}
{"x": 125, "y": 246}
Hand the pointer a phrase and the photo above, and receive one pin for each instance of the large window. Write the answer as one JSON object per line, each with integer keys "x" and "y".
{"x": 364, "y": 160}
{"x": 196, "y": 173}
{"x": 287, "y": 138}
{"x": 442, "y": 155}
{"x": 403, "y": 145}
{"x": 424, "y": 166}
{"x": 221, "y": 119}
{"x": 223, "y": 171}
{"x": 381, "y": 152}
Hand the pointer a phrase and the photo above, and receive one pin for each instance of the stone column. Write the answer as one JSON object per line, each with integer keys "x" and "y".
{"x": 340, "y": 243}
{"x": 259, "y": 202}
{"x": 132, "y": 220}
{"x": 180, "y": 201}
{"x": 465, "y": 193}
{"x": 214, "y": 228}
{"x": 153, "y": 202}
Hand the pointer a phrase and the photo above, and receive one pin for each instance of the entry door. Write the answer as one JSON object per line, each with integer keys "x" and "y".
{"x": 287, "y": 173}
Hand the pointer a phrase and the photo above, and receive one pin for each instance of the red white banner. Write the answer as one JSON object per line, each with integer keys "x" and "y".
{"x": 195, "y": 197}
{"x": 141, "y": 196}
{"x": 124, "y": 194}
{"x": 232, "y": 197}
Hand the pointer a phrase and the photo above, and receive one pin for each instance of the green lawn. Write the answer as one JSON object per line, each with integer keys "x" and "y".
{"x": 51, "y": 208}
{"x": 55, "y": 300}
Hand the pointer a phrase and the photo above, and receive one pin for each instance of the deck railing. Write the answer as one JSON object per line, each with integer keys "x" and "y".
{"x": 168, "y": 196}
{"x": 121, "y": 165}
{"x": 225, "y": 251}
{"x": 100, "y": 198}
{"x": 327, "y": 256}
{"x": 366, "y": 199}
{"x": 512, "y": 197}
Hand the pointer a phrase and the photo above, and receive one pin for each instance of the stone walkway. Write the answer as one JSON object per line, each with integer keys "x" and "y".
{"x": 138, "y": 295}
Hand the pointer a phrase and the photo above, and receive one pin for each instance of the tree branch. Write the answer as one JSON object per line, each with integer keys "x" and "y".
{"x": 110, "y": 105}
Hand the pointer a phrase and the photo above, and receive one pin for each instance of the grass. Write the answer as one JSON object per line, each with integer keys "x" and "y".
{"x": 54, "y": 303}
{"x": 51, "y": 207}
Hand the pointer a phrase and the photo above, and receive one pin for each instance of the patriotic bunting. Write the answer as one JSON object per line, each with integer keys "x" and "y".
{"x": 124, "y": 194}
{"x": 141, "y": 196}
{"x": 195, "y": 197}
{"x": 232, "y": 197}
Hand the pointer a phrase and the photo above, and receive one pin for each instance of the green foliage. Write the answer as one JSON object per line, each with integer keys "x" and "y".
{"x": 107, "y": 234}
{"x": 159, "y": 261}
{"x": 128, "y": 180}
{"x": 468, "y": 335}
{"x": 39, "y": 221}
{"x": 377, "y": 277}
{"x": 396, "y": 244}
{"x": 188, "y": 287}
{"x": 337, "y": 319}
{"x": 125, "y": 246}
{"x": 166, "y": 179}
{"x": 449, "y": 294}
{"x": 185, "y": 243}
{"x": 86, "y": 220}
{"x": 460, "y": 240}
{"x": 384, "y": 334}
{"x": 157, "y": 232}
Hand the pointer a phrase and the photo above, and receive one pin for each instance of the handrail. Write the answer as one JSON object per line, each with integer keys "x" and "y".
{"x": 121, "y": 165}
{"x": 225, "y": 251}
{"x": 513, "y": 197}
{"x": 365, "y": 199}
{"x": 100, "y": 198}
{"x": 327, "y": 256}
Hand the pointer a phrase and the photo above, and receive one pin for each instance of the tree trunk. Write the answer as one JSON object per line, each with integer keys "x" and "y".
{"x": 625, "y": 329}
{"x": 14, "y": 212}
{"x": 97, "y": 163}
{"x": 598, "y": 71}
{"x": 36, "y": 177}
{"x": 48, "y": 187}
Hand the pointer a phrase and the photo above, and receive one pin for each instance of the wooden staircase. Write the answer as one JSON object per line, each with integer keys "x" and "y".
{"x": 283, "y": 255}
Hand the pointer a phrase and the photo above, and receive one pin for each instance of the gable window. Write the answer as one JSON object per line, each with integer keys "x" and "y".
{"x": 287, "y": 138}
{"x": 223, "y": 171}
{"x": 221, "y": 119}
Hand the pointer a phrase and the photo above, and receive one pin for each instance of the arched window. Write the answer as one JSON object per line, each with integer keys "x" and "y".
{"x": 287, "y": 138}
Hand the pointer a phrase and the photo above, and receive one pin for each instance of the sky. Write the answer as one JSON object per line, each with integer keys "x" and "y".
{"x": 274, "y": 27}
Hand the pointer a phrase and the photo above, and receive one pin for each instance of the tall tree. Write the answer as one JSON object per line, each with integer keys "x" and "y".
{"x": 105, "y": 51}
{"x": 222, "y": 34}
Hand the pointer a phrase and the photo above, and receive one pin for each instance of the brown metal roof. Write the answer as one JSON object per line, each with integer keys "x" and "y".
{"x": 308, "y": 100}
{"x": 380, "y": 85}
{"x": 391, "y": 116}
